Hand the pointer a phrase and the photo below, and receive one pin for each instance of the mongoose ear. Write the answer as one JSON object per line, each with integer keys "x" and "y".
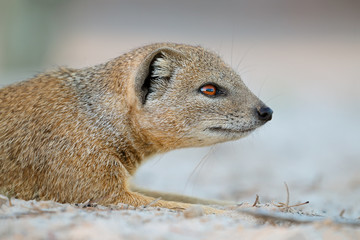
{"x": 155, "y": 71}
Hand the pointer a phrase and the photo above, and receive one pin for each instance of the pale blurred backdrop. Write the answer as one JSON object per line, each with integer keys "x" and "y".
{"x": 300, "y": 57}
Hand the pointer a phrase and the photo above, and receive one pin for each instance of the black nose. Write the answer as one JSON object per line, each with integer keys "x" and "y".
{"x": 265, "y": 113}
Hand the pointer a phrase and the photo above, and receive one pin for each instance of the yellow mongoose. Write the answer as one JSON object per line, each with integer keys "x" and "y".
{"x": 76, "y": 134}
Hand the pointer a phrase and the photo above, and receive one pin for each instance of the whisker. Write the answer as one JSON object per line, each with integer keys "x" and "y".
{"x": 274, "y": 97}
{"x": 261, "y": 87}
{"x": 158, "y": 160}
{"x": 242, "y": 58}
{"x": 232, "y": 49}
{"x": 245, "y": 71}
{"x": 162, "y": 156}
{"x": 201, "y": 163}
{"x": 204, "y": 162}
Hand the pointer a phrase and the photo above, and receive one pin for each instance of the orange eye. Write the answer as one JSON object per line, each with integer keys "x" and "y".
{"x": 208, "y": 90}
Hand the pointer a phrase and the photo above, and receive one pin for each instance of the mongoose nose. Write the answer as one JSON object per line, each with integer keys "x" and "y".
{"x": 265, "y": 113}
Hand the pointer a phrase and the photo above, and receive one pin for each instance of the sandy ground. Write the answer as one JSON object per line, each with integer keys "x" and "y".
{"x": 49, "y": 220}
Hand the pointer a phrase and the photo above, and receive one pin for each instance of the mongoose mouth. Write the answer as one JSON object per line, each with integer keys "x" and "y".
{"x": 232, "y": 131}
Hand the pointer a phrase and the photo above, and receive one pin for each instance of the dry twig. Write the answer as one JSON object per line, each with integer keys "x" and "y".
{"x": 10, "y": 203}
{"x": 286, "y": 205}
{"x": 342, "y": 213}
{"x": 256, "y": 201}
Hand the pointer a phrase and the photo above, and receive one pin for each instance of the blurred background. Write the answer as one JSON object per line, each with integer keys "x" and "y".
{"x": 302, "y": 58}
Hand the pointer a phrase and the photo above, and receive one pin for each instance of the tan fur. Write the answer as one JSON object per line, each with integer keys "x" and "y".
{"x": 76, "y": 134}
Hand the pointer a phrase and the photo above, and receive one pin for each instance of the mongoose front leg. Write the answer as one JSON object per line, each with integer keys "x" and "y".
{"x": 178, "y": 197}
{"x": 138, "y": 200}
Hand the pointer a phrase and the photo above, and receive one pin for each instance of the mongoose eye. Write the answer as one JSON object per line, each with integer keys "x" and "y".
{"x": 209, "y": 90}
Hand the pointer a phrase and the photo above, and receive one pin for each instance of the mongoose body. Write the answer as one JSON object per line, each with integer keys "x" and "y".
{"x": 71, "y": 135}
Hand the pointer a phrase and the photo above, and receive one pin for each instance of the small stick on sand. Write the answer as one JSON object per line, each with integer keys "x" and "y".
{"x": 286, "y": 205}
{"x": 342, "y": 213}
{"x": 256, "y": 201}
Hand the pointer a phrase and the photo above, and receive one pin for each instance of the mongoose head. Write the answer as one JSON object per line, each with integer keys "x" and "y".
{"x": 187, "y": 96}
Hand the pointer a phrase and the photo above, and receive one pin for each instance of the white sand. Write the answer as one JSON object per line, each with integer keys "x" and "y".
{"x": 50, "y": 220}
